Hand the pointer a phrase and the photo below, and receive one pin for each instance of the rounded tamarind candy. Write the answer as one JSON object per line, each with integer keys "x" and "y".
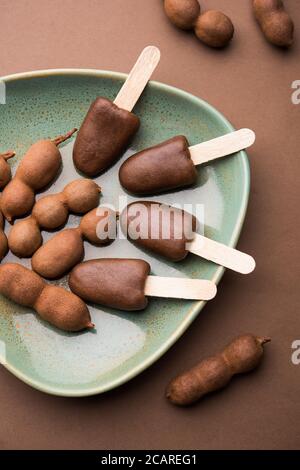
{"x": 51, "y": 212}
{"x": 54, "y": 304}
{"x": 66, "y": 249}
{"x": 243, "y": 354}
{"x": 5, "y": 171}
{"x": 37, "y": 169}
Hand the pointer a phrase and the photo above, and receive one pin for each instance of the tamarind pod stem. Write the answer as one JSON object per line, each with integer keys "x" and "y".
{"x": 62, "y": 138}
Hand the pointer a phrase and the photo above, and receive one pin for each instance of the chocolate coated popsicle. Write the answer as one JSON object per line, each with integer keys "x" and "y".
{"x": 172, "y": 164}
{"x": 125, "y": 284}
{"x": 170, "y": 232}
{"x": 116, "y": 283}
{"x": 160, "y": 228}
{"x": 109, "y": 126}
{"x": 160, "y": 168}
{"x": 105, "y": 133}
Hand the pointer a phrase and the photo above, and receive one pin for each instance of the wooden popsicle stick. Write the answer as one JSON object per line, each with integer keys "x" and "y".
{"x": 221, "y": 254}
{"x": 222, "y": 146}
{"x": 138, "y": 78}
{"x": 180, "y": 288}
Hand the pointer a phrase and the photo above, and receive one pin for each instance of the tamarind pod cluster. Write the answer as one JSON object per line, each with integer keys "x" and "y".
{"x": 275, "y": 23}
{"x": 212, "y": 27}
{"x": 3, "y": 239}
{"x": 5, "y": 171}
{"x": 66, "y": 249}
{"x": 54, "y": 304}
{"x": 51, "y": 212}
{"x": 215, "y": 29}
{"x": 37, "y": 169}
{"x": 242, "y": 355}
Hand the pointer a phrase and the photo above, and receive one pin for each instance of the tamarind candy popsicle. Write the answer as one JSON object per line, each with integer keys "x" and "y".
{"x": 63, "y": 251}
{"x": 54, "y": 304}
{"x": 172, "y": 164}
{"x": 109, "y": 126}
{"x": 125, "y": 284}
{"x": 170, "y": 232}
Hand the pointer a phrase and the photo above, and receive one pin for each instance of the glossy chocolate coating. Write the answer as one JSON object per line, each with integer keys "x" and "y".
{"x": 112, "y": 282}
{"x": 160, "y": 168}
{"x": 104, "y": 134}
{"x": 170, "y": 244}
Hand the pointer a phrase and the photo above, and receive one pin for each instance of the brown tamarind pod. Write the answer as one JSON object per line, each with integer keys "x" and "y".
{"x": 3, "y": 239}
{"x": 37, "y": 169}
{"x": 54, "y": 304}
{"x": 182, "y": 13}
{"x": 25, "y": 238}
{"x": 242, "y": 355}
{"x": 5, "y": 171}
{"x": 63, "y": 251}
{"x": 275, "y": 23}
{"x": 51, "y": 212}
{"x": 214, "y": 29}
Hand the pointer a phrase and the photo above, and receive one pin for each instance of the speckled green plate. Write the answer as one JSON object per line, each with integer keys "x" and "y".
{"x": 47, "y": 103}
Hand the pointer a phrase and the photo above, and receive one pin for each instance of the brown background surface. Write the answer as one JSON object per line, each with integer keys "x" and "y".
{"x": 250, "y": 82}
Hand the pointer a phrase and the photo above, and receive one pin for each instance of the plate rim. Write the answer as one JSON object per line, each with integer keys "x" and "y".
{"x": 195, "y": 310}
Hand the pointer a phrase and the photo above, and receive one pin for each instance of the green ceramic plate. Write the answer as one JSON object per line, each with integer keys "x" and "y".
{"x": 47, "y": 103}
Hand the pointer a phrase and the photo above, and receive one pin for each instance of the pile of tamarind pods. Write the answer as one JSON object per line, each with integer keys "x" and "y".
{"x": 51, "y": 212}
{"x": 38, "y": 168}
{"x": 215, "y": 29}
